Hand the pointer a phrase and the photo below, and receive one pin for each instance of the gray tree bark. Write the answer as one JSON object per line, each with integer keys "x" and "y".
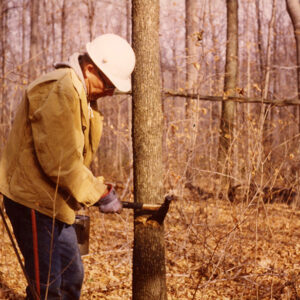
{"x": 91, "y": 15}
{"x": 293, "y": 8}
{"x": 230, "y": 84}
{"x": 191, "y": 48}
{"x": 149, "y": 272}
{"x": 34, "y": 38}
{"x": 63, "y": 30}
{"x": 192, "y": 40}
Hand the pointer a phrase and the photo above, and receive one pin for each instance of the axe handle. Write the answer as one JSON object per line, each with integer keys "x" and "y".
{"x": 137, "y": 205}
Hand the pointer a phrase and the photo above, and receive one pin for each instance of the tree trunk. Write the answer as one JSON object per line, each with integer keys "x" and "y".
{"x": 149, "y": 272}
{"x": 191, "y": 48}
{"x": 53, "y": 32}
{"x": 129, "y": 106}
{"x": 265, "y": 141}
{"x": 4, "y": 105}
{"x": 259, "y": 43}
{"x": 34, "y": 37}
{"x": 192, "y": 39}
{"x": 63, "y": 30}
{"x": 293, "y": 8}
{"x": 230, "y": 84}
{"x": 24, "y": 11}
{"x": 91, "y": 15}
{"x": 215, "y": 86}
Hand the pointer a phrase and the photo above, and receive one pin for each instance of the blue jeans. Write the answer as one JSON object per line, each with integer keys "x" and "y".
{"x": 65, "y": 265}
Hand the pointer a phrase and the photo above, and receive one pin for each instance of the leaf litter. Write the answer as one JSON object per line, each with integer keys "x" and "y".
{"x": 214, "y": 250}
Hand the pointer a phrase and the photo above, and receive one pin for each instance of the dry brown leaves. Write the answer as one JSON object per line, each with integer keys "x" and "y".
{"x": 214, "y": 250}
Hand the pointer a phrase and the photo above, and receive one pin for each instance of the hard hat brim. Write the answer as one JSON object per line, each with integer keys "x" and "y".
{"x": 123, "y": 85}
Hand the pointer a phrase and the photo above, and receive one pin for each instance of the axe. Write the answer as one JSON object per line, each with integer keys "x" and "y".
{"x": 158, "y": 211}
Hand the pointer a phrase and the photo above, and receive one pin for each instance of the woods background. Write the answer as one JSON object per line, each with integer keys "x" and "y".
{"x": 262, "y": 159}
{"x": 36, "y": 34}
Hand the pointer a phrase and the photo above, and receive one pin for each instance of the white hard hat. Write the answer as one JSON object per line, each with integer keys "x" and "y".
{"x": 114, "y": 57}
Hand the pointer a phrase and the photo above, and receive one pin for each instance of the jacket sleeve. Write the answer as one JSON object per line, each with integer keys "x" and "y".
{"x": 55, "y": 116}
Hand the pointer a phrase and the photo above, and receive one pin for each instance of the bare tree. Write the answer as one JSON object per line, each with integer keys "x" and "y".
{"x": 293, "y": 8}
{"x": 192, "y": 39}
{"x": 2, "y": 59}
{"x": 259, "y": 40}
{"x": 24, "y": 10}
{"x": 191, "y": 42}
{"x": 215, "y": 83}
{"x": 149, "y": 272}
{"x": 265, "y": 139}
{"x": 4, "y": 106}
{"x": 90, "y": 4}
{"x": 230, "y": 84}
{"x": 63, "y": 30}
{"x": 34, "y": 37}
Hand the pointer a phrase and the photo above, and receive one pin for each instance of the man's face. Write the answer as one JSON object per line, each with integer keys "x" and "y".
{"x": 98, "y": 85}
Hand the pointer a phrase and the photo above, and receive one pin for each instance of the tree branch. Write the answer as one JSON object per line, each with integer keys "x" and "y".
{"x": 278, "y": 102}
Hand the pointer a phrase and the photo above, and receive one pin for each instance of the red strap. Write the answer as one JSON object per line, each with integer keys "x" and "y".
{"x": 109, "y": 188}
{"x": 36, "y": 253}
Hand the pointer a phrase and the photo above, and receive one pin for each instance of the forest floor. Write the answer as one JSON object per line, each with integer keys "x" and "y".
{"x": 214, "y": 250}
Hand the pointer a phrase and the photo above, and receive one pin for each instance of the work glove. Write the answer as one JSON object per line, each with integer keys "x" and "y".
{"x": 109, "y": 202}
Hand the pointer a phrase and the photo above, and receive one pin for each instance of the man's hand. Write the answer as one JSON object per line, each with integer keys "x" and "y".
{"x": 109, "y": 202}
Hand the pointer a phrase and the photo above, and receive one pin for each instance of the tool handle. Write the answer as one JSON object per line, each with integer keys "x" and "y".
{"x": 137, "y": 205}
{"x": 132, "y": 205}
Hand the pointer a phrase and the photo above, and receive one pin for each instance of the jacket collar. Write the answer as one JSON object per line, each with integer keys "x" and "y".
{"x": 73, "y": 63}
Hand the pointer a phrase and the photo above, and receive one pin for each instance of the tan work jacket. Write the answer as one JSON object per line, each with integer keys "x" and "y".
{"x": 54, "y": 137}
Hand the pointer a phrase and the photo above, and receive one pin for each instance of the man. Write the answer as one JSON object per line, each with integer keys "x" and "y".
{"x": 44, "y": 173}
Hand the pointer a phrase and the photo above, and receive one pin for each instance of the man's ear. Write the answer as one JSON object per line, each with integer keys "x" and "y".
{"x": 87, "y": 69}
